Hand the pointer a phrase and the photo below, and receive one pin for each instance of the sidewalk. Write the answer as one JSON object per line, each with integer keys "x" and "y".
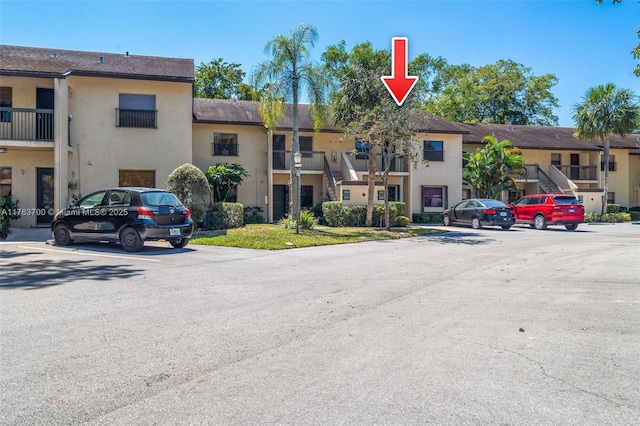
{"x": 18, "y": 235}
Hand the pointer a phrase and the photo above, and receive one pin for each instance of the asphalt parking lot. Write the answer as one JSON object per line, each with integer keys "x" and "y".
{"x": 468, "y": 327}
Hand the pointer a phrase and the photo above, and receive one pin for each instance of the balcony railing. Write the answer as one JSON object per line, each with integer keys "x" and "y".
{"x": 311, "y": 160}
{"x": 579, "y": 172}
{"x": 140, "y": 118}
{"x": 26, "y": 124}
{"x": 361, "y": 163}
{"x": 530, "y": 174}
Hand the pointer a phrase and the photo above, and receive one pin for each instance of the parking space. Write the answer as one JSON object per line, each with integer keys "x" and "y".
{"x": 471, "y": 326}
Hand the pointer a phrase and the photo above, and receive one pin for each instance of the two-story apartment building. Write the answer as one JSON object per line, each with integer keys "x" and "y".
{"x": 226, "y": 131}
{"x": 557, "y": 161}
{"x": 73, "y": 122}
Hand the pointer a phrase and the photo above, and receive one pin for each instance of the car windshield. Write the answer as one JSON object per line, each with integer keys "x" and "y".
{"x": 566, "y": 200}
{"x": 492, "y": 203}
{"x": 160, "y": 199}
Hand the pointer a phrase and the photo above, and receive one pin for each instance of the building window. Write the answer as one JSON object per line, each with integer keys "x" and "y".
{"x": 556, "y": 159}
{"x": 466, "y": 194}
{"x": 611, "y": 197}
{"x": 393, "y": 194}
{"x": 346, "y": 194}
{"x": 362, "y": 149}
{"x": 434, "y": 196}
{"x": 137, "y": 111}
{"x": 612, "y": 164}
{"x": 5, "y": 102}
{"x": 433, "y": 151}
{"x": 144, "y": 178}
{"x": 225, "y": 144}
{"x": 306, "y": 196}
{"x": 306, "y": 146}
{"x": 5, "y": 182}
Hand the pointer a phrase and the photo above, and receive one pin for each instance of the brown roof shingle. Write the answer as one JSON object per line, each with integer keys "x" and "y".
{"x": 17, "y": 60}
{"x": 246, "y": 112}
{"x": 540, "y": 137}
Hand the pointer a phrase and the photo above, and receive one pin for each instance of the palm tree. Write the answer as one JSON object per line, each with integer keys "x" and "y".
{"x": 606, "y": 110}
{"x": 492, "y": 169}
{"x": 281, "y": 79}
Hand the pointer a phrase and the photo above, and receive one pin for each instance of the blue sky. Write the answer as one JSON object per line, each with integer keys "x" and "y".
{"x": 584, "y": 44}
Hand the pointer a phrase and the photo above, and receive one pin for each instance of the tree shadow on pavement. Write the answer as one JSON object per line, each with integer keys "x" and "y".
{"x": 39, "y": 274}
{"x": 466, "y": 238}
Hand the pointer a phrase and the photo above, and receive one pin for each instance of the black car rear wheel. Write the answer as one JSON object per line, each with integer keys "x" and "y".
{"x": 571, "y": 226}
{"x": 179, "y": 243}
{"x": 130, "y": 240}
{"x": 475, "y": 223}
{"x": 506, "y": 227}
{"x": 61, "y": 235}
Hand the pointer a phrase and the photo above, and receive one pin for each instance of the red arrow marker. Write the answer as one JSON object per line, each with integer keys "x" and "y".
{"x": 398, "y": 83}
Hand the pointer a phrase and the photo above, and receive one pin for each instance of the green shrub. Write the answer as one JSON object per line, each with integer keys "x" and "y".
{"x": 8, "y": 212}
{"x": 333, "y": 212}
{"x": 634, "y": 209}
{"x": 191, "y": 187}
{"x": 318, "y": 213}
{"x": 634, "y": 215}
{"x": 607, "y": 217}
{"x": 224, "y": 216}
{"x": 338, "y": 215}
{"x": 253, "y": 215}
{"x": 427, "y": 218}
{"x": 355, "y": 215}
{"x": 308, "y": 220}
{"x": 402, "y": 221}
{"x": 591, "y": 217}
{"x": 616, "y": 217}
{"x": 378, "y": 215}
{"x": 613, "y": 208}
{"x": 287, "y": 222}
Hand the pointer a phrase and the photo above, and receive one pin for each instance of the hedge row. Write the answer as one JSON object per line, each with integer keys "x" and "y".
{"x": 337, "y": 214}
{"x": 608, "y": 217}
{"x": 427, "y": 218}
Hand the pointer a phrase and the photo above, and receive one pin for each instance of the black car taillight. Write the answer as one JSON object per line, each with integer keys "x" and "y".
{"x": 489, "y": 211}
{"x": 145, "y": 213}
{"x": 187, "y": 215}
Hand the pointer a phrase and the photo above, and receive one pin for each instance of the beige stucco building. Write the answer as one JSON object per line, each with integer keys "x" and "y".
{"x": 74, "y": 122}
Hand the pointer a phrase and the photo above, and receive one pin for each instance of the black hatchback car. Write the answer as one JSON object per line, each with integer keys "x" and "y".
{"x": 128, "y": 216}
{"x": 478, "y": 212}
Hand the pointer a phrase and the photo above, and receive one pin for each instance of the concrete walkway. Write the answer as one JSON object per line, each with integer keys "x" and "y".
{"x": 27, "y": 234}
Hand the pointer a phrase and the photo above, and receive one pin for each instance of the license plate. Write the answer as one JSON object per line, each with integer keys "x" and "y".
{"x": 571, "y": 210}
{"x": 503, "y": 213}
{"x": 174, "y": 231}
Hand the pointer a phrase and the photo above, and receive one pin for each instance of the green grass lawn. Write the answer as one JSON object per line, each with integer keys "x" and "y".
{"x": 275, "y": 237}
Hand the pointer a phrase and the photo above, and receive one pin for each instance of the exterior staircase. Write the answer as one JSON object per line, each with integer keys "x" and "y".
{"x": 330, "y": 179}
{"x": 546, "y": 184}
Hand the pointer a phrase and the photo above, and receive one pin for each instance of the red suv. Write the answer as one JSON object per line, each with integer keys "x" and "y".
{"x": 540, "y": 210}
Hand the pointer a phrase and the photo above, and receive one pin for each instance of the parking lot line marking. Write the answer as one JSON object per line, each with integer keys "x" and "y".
{"x": 89, "y": 254}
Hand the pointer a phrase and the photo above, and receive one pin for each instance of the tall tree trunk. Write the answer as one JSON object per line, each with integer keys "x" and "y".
{"x": 294, "y": 194}
{"x": 387, "y": 222}
{"x": 605, "y": 192}
{"x": 371, "y": 185}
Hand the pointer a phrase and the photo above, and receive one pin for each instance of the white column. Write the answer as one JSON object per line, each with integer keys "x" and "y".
{"x": 61, "y": 143}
